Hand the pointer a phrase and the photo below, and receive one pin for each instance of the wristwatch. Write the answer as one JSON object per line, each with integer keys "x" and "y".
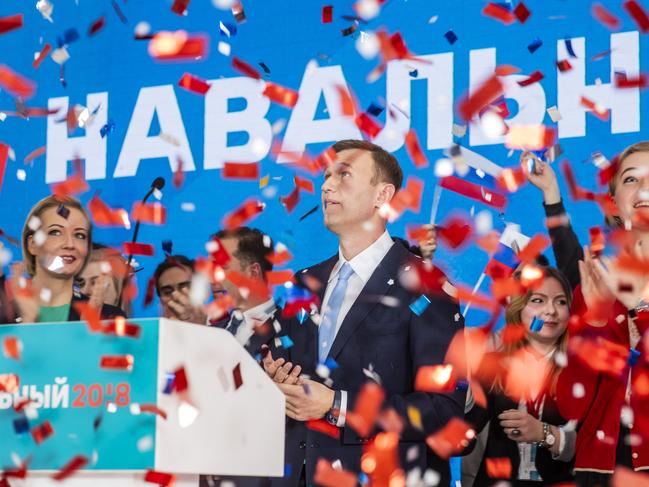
{"x": 332, "y": 415}
{"x": 548, "y": 438}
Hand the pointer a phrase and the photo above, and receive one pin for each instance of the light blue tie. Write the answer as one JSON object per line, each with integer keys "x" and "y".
{"x": 327, "y": 331}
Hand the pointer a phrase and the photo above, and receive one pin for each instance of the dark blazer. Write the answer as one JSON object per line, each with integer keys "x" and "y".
{"x": 500, "y": 446}
{"x": 260, "y": 337}
{"x": 393, "y": 341}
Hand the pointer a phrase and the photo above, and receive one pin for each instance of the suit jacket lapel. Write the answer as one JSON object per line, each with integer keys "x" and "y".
{"x": 377, "y": 286}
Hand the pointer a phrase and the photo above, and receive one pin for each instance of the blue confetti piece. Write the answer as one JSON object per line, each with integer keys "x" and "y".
{"x": 414, "y": 73}
{"x": 302, "y": 315}
{"x": 505, "y": 5}
{"x": 227, "y": 29}
{"x": 106, "y": 129}
{"x": 21, "y": 425}
{"x": 420, "y": 305}
{"x": 363, "y": 478}
{"x": 569, "y": 48}
{"x": 170, "y": 378}
{"x": 286, "y": 341}
{"x": 634, "y": 355}
{"x": 331, "y": 364}
{"x": 280, "y": 299}
{"x": 534, "y": 45}
{"x": 536, "y": 325}
{"x": 375, "y": 109}
{"x": 451, "y": 37}
{"x": 462, "y": 385}
{"x": 288, "y": 470}
{"x": 167, "y": 247}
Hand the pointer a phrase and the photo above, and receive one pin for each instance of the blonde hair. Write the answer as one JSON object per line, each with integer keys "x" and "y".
{"x": 37, "y": 210}
{"x": 513, "y": 317}
{"x": 642, "y": 146}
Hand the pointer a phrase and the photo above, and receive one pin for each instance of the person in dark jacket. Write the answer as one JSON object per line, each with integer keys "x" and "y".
{"x": 56, "y": 240}
{"x": 519, "y": 379}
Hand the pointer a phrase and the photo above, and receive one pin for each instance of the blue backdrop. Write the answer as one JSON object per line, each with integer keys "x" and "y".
{"x": 113, "y": 72}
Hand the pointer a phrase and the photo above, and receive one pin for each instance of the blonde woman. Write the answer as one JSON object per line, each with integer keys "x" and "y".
{"x": 56, "y": 239}
{"x": 525, "y": 425}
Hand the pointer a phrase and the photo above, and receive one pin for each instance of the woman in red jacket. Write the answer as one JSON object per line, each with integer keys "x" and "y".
{"x": 606, "y": 383}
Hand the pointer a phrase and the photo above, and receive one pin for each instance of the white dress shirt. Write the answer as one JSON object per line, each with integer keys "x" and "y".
{"x": 363, "y": 265}
{"x": 252, "y": 318}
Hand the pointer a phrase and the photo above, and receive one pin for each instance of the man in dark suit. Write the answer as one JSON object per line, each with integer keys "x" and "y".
{"x": 366, "y": 326}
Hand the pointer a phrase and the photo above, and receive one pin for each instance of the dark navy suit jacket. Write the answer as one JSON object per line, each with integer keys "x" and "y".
{"x": 395, "y": 342}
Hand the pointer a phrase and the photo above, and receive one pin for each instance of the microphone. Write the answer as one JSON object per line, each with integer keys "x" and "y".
{"x": 158, "y": 183}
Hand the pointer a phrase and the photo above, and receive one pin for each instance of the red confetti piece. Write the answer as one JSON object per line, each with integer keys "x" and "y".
{"x": 506, "y": 70}
{"x": 451, "y": 439}
{"x": 491, "y": 89}
{"x": 564, "y": 65}
{"x": 117, "y": 362}
{"x": 104, "y": 216}
{"x": 121, "y": 327}
{"x": 291, "y": 200}
{"x": 42, "y": 432}
{"x": 245, "y": 68}
{"x": 418, "y": 233}
{"x": 605, "y": 16}
{"x": 327, "y": 14}
{"x": 367, "y": 408}
{"x": 599, "y": 112}
{"x": 42, "y": 55}
{"x": 537, "y": 244}
{"x": 327, "y": 476}
{"x": 535, "y": 77}
{"x": 435, "y": 378}
{"x": 499, "y": 468}
{"x": 136, "y": 248}
{"x": 236, "y": 375}
{"x": 279, "y": 258}
{"x": 179, "y": 7}
{"x": 96, "y": 26}
{"x": 367, "y": 125}
{"x": 322, "y": 426}
{"x": 408, "y": 197}
{"x": 77, "y": 463}
{"x": 9, "y": 383}
{"x": 90, "y": 314}
{"x": 347, "y": 102}
{"x": 160, "y": 478}
{"x": 414, "y": 150}
{"x": 153, "y": 409}
{"x": 278, "y": 278}
{"x": 150, "y": 292}
{"x": 220, "y": 256}
{"x": 597, "y": 240}
{"x": 242, "y": 215}
{"x": 11, "y": 346}
{"x": 530, "y": 137}
{"x": 179, "y": 174}
{"x": 15, "y": 84}
{"x": 153, "y": 213}
{"x": 169, "y": 46}
{"x": 474, "y": 192}
{"x": 280, "y": 94}
{"x": 4, "y": 156}
{"x": 623, "y": 81}
{"x": 34, "y": 154}
{"x": 455, "y": 232}
{"x": 12, "y": 22}
{"x": 181, "y": 384}
{"x": 635, "y": 10}
{"x": 237, "y": 170}
{"x": 304, "y": 184}
{"x": 194, "y": 84}
{"x": 511, "y": 179}
{"x": 22, "y": 404}
{"x": 499, "y": 13}
{"x": 521, "y": 12}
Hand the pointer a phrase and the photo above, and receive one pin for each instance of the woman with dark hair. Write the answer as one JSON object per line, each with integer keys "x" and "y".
{"x": 56, "y": 239}
{"x": 601, "y": 389}
{"x": 520, "y": 381}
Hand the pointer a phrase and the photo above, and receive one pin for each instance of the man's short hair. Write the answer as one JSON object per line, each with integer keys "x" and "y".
{"x": 387, "y": 167}
{"x": 170, "y": 262}
{"x": 253, "y": 246}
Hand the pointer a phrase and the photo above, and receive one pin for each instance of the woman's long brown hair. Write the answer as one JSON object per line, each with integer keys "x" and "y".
{"x": 513, "y": 317}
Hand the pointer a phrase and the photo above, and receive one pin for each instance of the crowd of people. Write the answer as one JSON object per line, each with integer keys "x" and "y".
{"x": 559, "y": 394}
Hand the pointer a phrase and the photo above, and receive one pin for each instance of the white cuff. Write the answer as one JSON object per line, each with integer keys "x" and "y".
{"x": 343, "y": 409}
